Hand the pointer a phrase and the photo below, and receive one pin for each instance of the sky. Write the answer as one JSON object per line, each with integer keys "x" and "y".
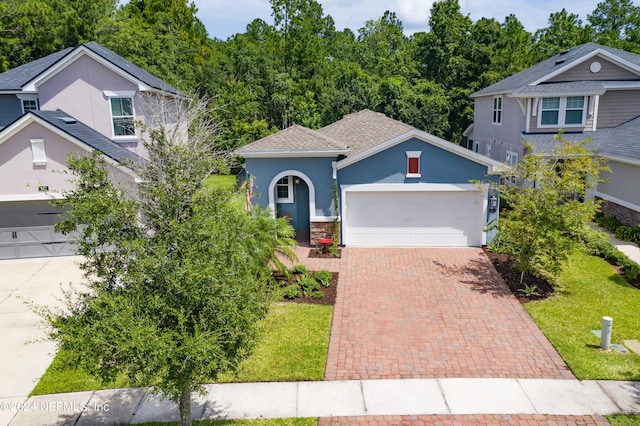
{"x": 223, "y": 18}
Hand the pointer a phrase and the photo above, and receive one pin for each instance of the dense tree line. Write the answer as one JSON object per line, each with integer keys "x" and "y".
{"x": 300, "y": 69}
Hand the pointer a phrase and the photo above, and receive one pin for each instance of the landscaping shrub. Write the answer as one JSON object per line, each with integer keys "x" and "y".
{"x": 324, "y": 277}
{"x": 299, "y": 269}
{"x": 627, "y": 233}
{"x": 308, "y": 284}
{"x": 318, "y": 294}
{"x": 292, "y": 291}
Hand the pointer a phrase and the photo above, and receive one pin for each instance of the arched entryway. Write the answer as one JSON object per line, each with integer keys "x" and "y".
{"x": 292, "y": 195}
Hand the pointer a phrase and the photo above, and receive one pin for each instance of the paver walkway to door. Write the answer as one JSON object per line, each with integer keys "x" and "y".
{"x": 431, "y": 313}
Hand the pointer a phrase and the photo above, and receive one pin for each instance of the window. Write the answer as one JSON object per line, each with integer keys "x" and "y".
{"x": 487, "y": 150}
{"x": 476, "y": 146}
{"x": 574, "y": 110}
{"x": 122, "y": 117}
{"x": 497, "y": 110}
{"x": 413, "y": 164}
{"x": 29, "y": 105}
{"x": 284, "y": 190}
{"x": 512, "y": 158}
{"x": 39, "y": 155}
{"x": 558, "y": 112}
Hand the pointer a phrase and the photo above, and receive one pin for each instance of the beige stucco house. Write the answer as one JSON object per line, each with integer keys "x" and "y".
{"x": 74, "y": 101}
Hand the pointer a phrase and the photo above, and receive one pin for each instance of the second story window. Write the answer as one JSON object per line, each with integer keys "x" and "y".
{"x": 559, "y": 112}
{"x": 497, "y": 110}
{"x": 29, "y": 105}
{"x": 122, "y": 116}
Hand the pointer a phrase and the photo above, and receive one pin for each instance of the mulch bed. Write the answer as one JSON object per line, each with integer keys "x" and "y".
{"x": 319, "y": 255}
{"x": 505, "y": 266}
{"x": 329, "y": 292}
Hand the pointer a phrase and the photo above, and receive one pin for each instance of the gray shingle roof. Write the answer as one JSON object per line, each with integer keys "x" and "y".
{"x": 294, "y": 139}
{"x": 354, "y": 133}
{"x": 565, "y": 88}
{"x": 622, "y": 141}
{"x": 519, "y": 81}
{"x": 363, "y": 130}
{"x": 16, "y": 78}
{"x": 89, "y": 136}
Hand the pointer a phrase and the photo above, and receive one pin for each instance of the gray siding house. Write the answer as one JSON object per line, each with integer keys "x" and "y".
{"x": 78, "y": 100}
{"x": 589, "y": 92}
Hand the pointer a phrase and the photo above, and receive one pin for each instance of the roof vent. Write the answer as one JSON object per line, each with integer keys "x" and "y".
{"x": 561, "y": 61}
{"x": 564, "y": 52}
{"x": 67, "y": 120}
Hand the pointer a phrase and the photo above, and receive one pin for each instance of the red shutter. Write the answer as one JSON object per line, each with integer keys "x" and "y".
{"x": 414, "y": 165}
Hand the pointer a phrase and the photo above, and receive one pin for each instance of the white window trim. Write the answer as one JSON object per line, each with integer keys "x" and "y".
{"x": 414, "y": 154}
{"x": 494, "y": 110}
{"x": 38, "y": 152}
{"x": 562, "y": 112}
{"x": 28, "y": 97}
{"x": 289, "y": 199}
{"x": 476, "y": 146}
{"x": 122, "y": 94}
{"x": 509, "y": 158}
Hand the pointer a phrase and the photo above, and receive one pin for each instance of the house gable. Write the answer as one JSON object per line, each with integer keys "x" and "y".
{"x": 596, "y": 67}
{"x": 391, "y": 165}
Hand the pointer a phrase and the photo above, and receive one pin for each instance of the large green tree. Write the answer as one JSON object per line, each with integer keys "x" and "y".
{"x": 546, "y": 203}
{"x": 617, "y": 24}
{"x": 176, "y": 279}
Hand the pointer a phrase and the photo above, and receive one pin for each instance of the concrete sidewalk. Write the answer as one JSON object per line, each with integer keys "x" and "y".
{"x": 339, "y": 398}
{"x": 627, "y": 247}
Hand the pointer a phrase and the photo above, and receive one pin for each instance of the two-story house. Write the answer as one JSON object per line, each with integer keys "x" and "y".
{"x": 590, "y": 92}
{"x": 74, "y": 101}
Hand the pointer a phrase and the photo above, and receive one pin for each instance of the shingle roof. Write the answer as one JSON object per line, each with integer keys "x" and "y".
{"x": 621, "y": 141}
{"x": 354, "y": 133}
{"x": 16, "y": 78}
{"x": 564, "y": 88}
{"x": 89, "y": 136}
{"x": 519, "y": 81}
{"x": 294, "y": 139}
{"x": 364, "y": 130}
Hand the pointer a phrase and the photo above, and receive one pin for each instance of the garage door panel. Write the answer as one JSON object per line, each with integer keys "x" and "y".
{"x": 421, "y": 218}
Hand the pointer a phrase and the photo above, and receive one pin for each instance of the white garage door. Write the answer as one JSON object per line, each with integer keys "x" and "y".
{"x": 439, "y": 218}
{"x": 27, "y": 230}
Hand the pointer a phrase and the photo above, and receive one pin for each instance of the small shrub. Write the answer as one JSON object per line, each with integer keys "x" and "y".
{"x": 318, "y": 294}
{"x": 324, "y": 277}
{"x": 308, "y": 284}
{"x": 334, "y": 251}
{"x": 299, "y": 269}
{"x": 292, "y": 291}
{"x": 530, "y": 290}
{"x": 598, "y": 244}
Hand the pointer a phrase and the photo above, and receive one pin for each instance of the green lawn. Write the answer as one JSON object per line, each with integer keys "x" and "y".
{"x": 303, "y": 421}
{"x": 293, "y": 346}
{"x": 620, "y": 420}
{"x": 588, "y": 289}
{"x": 221, "y": 182}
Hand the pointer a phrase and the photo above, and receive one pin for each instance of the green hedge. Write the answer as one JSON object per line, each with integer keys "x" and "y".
{"x": 598, "y": 244}
{"x": 624, "y": 232}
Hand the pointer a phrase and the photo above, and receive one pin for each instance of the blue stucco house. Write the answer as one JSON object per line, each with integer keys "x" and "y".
{"x": 396, "y": 185}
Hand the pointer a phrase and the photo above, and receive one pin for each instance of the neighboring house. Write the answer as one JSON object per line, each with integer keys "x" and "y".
{"x": 397, "y": 185}
{"x": 74, "y": 101}
{"x": 590, "y": 92}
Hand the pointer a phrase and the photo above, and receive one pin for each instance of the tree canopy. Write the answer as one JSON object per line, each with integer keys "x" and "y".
{"x": 298, "y": 69}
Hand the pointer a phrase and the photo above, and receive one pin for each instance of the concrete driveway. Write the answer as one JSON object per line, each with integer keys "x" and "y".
{"x": 22, "y": 363}
{"x": 431, "y": 313}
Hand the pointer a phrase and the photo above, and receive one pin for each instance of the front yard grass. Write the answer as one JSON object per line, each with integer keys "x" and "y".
{"x": 293, "y": 346}
{"x": 588, "y": 289}
{"x": 299, "y": 421}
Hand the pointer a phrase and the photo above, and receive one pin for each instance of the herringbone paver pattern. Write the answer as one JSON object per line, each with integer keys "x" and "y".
{"x": 430, "y": 313}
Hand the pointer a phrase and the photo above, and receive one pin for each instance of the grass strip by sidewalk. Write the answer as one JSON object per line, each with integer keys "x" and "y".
{"x": 588, "y": 289}
{"x": 302, "y": 421}
{"x": 293, "y": 346}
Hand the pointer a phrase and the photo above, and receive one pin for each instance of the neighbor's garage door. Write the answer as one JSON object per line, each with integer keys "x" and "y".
{"x": 414, "y": 219}
{"x": 27, "y": 230}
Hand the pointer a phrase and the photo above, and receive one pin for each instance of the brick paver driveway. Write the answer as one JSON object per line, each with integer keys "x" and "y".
{"x": 421, "y": 313}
